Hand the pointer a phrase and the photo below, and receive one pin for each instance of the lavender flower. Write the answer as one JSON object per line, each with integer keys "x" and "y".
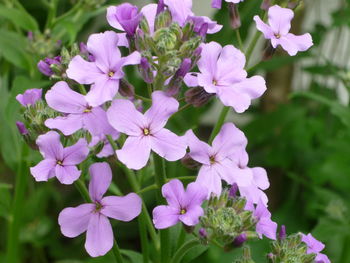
{"x": 217, "y": 3}
{"x": 58, "y": 161}
{"x": 217, "y": 162}
{"x": 106, "y": 71}
{"x": 278, "y": 31}
{"x": 315, "y": 246}
{"x": 146, "y": 131}
{"x": 222, "y": 73}
{"x": 92, "y": 218}
{"x": 29, "y": 97}
{"x": 78, "y": 113}
{"x": 265, "y": 226}
{"x": 44, "y": 66}
{"x": 184, "y": 206}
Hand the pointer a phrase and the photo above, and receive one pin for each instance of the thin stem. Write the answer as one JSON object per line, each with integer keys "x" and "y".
{"x": 143, "y": 235}
{"x": 182, "y": 251}
{"x": 186, "y": 106}
{"x": 150, "y": 89}
{"x": 117, "y": 253}
{"x": 239, "y": 39}
{"x": 251, "y": 47}
{"x": 147, "y": 188}
{"x": 80, "y": 185}
{"x": 142, "y": 98}
{"x": 183, "y": 178}
{"x": 219, "y": 123}
{"x": 15, "y": 220}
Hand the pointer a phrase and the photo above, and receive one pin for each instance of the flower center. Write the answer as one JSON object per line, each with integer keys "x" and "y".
{"x": 212, "y": 159}
{"x": 215, "y": 82}
{"x": 59, "y": 162}
{"x": 98, "y": 207}
{"x": 88, "y": 109}
{"x": 183, "y": 211}
{"x": 111, "y": 74}
{"x": 146, "y": 131}
{"x": 277, "y": 35}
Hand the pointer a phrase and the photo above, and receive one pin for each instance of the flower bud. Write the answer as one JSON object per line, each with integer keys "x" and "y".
{"x": 30, "y": 36}
{"x": 197, "y": 96}
{"x": 292, "y": 4}
{"x": 21, "y": 128}
{"x": 160, "y": 7}
{"x": 282, "y": 234}
{"x": 233, "y": 191}
{"x": 146, "y": 70}
{"x": 265, "y": 5}
{"x": 176, "y": 81}
{"x": 128, "y": 17}
{"x": 234, "y": 16}
{"x": 203, "y": 30}
{"x": 216, "y": 4}
{"x": 126, "y": 89}
{"x": 239, "y": 240}
{"x": 203, "y": 233}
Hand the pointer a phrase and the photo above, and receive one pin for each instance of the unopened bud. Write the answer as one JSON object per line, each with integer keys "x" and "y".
{"x": 197, "y": 96}
{"x": 160, "y": 7}
{"x": 234, "y": 16}
{"x": 176, "y": 81}
{"x": 164, "y": 19}
{"x": 282, "y": 234}
{"x": 203, "y": 233}
{"x": 146, "y": 70}
{"x": 233, "y": 190}
{"x": 268, "y": 52}
{"x": 30, "y": 36}
{"x": 21, "y": 128}
{"x": 126, "y": 89}
{"x": 203, "y": 30}
{"x": 216, "y": 4}
{"x": 292, "y": 4}
{"x": 239, "y": 240}
{"x": 265, "y": 5}
{"x": 190, "y": 163}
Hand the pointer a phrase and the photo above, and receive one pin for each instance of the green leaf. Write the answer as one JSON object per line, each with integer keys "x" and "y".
{"x": 19, "y": 18}
{"x": 133, "y": 256}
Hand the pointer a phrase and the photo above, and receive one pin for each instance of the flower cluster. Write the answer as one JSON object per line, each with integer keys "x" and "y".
{"x": 97, "y": 112}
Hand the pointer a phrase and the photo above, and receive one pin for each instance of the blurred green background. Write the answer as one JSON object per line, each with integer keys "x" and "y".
{"x": 299, "y": 131}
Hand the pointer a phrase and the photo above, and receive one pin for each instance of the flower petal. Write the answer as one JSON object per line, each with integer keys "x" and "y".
{"x": 67, "y": 174}
{"x": 199, "y": 150}
{"x": 293, "y": 44}
{"x": 76, "y": 153}
{"x": 112, "y": 18}
{"x": 43, "y": 170}
{"x": 209, "y": 178}
{"x": 191, "y": 217}
{"x": 209, "y": 57}
{"x": 101, "y": 177}
{"x": 229, "y": 172}
{"x": 264, "y": 28}
{"x": 162, "y": 108}
{"x": 195, "y": 195}
{"x": 165, "y": 216}
{"x": 168, "y": 145}
{"x": 135, "y": 152}
{"x": 63, "y": 99}
{"x": 82, "y": 71}
{"x": 174, "y": 193}
{"x": 96, "y": 122}
{"x": 99, "y": 235}
{"x": 67, "y": 125}
{"x": 180, "y": 10}
{"x": 74, "y": 220}
{"x": 123, "y": 208}
{"x": 50, "y": 145}
{"x": 102, "y": 91}
{"x": 280, "y": 19}
{"x": 124, "y": 117}
{"x": 260, "y": 178}
{"x": 149, "y": 11}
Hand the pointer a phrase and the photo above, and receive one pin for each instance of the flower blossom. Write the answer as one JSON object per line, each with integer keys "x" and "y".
{"x": 222, "y": 73}
{"x": 44, "y": 66}
{"x": 106, "y": 71}
{"x": 278, "y": 31}
{"x": 217, "y": 3}
{"x": 146, "y": 131}
{"x": 217, "y": 162}
{"x": 29, "y": 97}
{"x": 315, "y": 246}
{"x": 265, "y": 226}
{"x": 78, "y": 113}
{"x": 92, "y": 218}
{"x": 184, "y": 206}
{"x": 58, "y": 161}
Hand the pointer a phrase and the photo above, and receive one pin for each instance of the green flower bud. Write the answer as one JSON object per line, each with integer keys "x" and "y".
{"x": 164, "y": 19}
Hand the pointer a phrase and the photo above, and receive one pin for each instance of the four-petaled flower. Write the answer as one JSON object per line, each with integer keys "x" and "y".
{"x": 218, "y": 161}
{"x": 106, "y": 71}
{"x": 29, "y": 97}
{"x": 58, "y": 161}
{"x": 184, "y": 206}
{"x": 278, "y": 31}
{"x": 222, "y": 73}
{"x": 78, "y": 113}
{"x": 146, "y": 131}
{"x": 93, "y": 217}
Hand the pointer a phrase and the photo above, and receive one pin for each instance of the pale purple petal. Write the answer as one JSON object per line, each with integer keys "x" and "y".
{"x": 260, "y": 178}
{"x": 314, "y": 246}
{"x": 122, "y": 40}
{"x": 322, "y": 258}
{"x": 29, "y": 97}
{"x": 264, "y": 28}
{"x": 229, "y": 172}
{"x": 82, "y": 71}
{"x": 67, "y": 125}
{"x": 199, "y": 150}
{"x": 124, "y": 117}
{"x": 231, "y": 63}
{"x": 209, "y": 178}
{"x": 67, "y": 174}
{"x": 191, "y": 80}
{"x": 76, "y": 153}
{"x": 123, "y": 208}
{"x": 133, "y": 59}
{"x": 165, "y": 216}
{"x": 195, "y": 195}
{"x": 74, "y": 220}
{"x": 43, "y": 170}
{"x": 102, "y": 91}
{"x": 209, "y": 56}
{"x": 168, "y": 145}
{"x": 229, "y": 140}
{"x": 101, "y": 177}
{"x": 112, "y": 18}
{"x": 124, "y": 17}
{"x": 99, "y": 235}
{"x": 293, "y": 44}
{"x": 253, "y": 194}
{"x": 280, "y": 19}
{"x": 63, "y": 99}
{"x": 149, "y": 11}
{"x": 216, "y": 4}
{"x": 267, "y": 227}
{"x": 180, "y": 10}
{"x": 174, "y": 193}
{"x": 135, "y": 152}
{"x": 162, "y": 108}
{"x": 191, "y": 217}
{"x": 96, "y": 122}
{"x": 50, "y": 146}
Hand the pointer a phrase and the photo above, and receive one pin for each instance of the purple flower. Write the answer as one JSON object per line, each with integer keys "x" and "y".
{"x": 217, "y": 3}
{"x": 315, "y": 246}
{"x": 29, "y": 97}
{"x": 107, "y": 149}
{"x": 202, "y": 21}
{"x": 124, "y": 17}
{"x": 146, "y": 132}
{"x": 217, "y": 162}
{"x": 44, "y": 66}
{"x": 278, "y": 31}
{"x": 58, "y": 161}
{"x": 106, "y": 71}
{"x": 21, "y": 128}
{"x": 222, "y": 73}
{"x": 93, "y": 217}
{"x": 184, "y": 206}
{"x": 265, "y": 226}
{"x": 78, "y": 114}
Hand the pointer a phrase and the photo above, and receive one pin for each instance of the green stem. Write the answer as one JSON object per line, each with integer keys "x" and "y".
{"x": 142, "y": 98}
{"x": 183, "y": 178}
{"x": 184, "y": 249}
{"x": 219, "y": 123}
{"x": 143, "y": 235}
{"x": 160, "y": 178}
{"x": 15, "y": 220}
{"x": 251, "y": 47}
{"x": 80, "y": 185}
{"x": 117, "y": 253}
{"x": 239, "y": 39}
{"x": 147, "y": 188}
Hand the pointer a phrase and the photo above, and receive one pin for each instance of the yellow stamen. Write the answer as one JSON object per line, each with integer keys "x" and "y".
{"x": 215, "y": 82}
{"x": 146, "y": 131}
{"x": 277, "y": 36}
{"x": 183, "y": 211}
{"x": 111, "y": 74}
{"x": 59, "y": 162}
{"x": 212, "y": 159}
